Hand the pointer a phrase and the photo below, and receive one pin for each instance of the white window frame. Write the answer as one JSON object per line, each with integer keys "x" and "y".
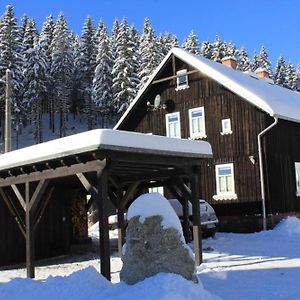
{"x": 199, "y": 134}
{"x": 226, "y": 129}
{"x": 297, "y": 174}
{"x": 158, "y": 189}
{"x": 182, "y": 73}
{"x": 230, "y": 195}
{"x": 178, "y": 121}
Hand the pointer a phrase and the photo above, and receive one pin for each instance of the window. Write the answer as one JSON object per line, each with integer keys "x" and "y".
{"x": 226, "y": 126}
{"x": 159, "y": 189}
{"x": 225, "y": 182}
{"x": 173, "y": 125}
{"x": 297, "y": 169}
{"x": 182, "y": 80}
{"x": 197, "y": 123}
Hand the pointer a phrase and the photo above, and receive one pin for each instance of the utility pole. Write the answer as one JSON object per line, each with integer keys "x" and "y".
{"x": 7, "y": 125}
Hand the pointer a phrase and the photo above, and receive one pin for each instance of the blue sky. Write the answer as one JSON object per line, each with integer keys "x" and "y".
{"x": 273, "y": 23}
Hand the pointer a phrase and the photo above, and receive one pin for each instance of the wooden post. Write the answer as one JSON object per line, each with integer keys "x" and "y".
{"x": 102, "y": 182}
{"x": 29, "y": 235}
{"x": 196, "y": 218}
{"x": 185, "y": 212}
{"x": 7, "y": 126}
{"x": 121, "y": 230}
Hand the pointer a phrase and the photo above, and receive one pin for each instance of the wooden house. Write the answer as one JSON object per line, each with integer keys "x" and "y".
{"x": 253, "y": 127}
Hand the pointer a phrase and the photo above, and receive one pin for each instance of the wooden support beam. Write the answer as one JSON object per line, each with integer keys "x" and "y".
{"x": 128, "y": 194}
{"x": 92, "y": 166}
{"x": 13, "y": 212}
{"x": 102, "y": 186}
{"x": 196, "y": 218}
{"x": 37, "y": 195}
{"x": 121, "y": 230}
{"x": 173, "y": 77}
{"x": 40, "y": 214}
{"x": 29, "y": 235}
{"x": 87, "y": 185}
{"x": 19, "y": 196}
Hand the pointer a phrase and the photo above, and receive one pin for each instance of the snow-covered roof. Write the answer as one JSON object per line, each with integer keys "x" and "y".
{"x": 273, "y": 99}
{"x": 104, "y": 139}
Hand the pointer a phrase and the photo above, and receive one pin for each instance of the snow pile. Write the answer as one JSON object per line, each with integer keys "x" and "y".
{"x": 154, "y": 204}
{"x": 89, "y": 284}
{"x": 288, "y": 227}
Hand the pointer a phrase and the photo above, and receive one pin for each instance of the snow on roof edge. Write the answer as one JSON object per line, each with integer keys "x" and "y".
{"x": 109, "y": 139}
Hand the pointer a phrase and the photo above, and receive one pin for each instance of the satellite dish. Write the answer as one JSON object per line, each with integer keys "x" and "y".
{"x": 157, "y": 101}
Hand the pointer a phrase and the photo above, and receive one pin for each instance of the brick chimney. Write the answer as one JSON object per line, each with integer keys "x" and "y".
{"x": 229, "y": 61}
{"x": 262, "y": 73}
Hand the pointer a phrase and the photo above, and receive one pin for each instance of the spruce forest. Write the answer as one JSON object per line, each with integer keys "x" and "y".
{"x": 58, "y": 74}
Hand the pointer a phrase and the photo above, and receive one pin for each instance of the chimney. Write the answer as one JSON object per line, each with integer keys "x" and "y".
{"x": 262, "y": 73}
{"x": 229, "y": 61}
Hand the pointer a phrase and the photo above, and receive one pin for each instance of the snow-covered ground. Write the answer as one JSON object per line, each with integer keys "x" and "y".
{"x": 263, "y": 265}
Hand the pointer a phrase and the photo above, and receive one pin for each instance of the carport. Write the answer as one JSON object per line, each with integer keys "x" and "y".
{"x": 112, "y": 166}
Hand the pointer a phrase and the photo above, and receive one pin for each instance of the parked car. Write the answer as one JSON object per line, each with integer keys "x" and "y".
{"x": 209, "y": 220}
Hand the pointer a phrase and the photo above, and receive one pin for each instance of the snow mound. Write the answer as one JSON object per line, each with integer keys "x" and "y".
{"x": 154, "y": 204}
{"x": 89, "y": 284}
{"x": 288, "y": 227}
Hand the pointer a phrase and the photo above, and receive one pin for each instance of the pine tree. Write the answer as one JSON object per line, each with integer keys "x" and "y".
{"x": 255, "y": 63}
{"x": 264, "y": 60}
{"x": 61, "y": 69}
{"x": 45, "y": 41}
{"x": 30, "y": 37}
{"x": 290, "y": 78}
{"x": 206, "y": 49}
{"x": 87, "y": 64}
{"x": 35, "y": 74}
{"x": 113, "y": 39}
{"x": 243, "y": 60}
{"x": 161, "y": 47}
{"x": 11, "y": 58}
{"x": 191, "y": 43}
{"x": 280, "y": 72}
{"x": 218, "y": 50}
{"x": 230, "y": 50}
{"x": 148, "y": 54}
{"x": 102, "y": 83}
{"x": 134, "y": 43}
{"x": 123, "y": 71}
{"x": 98, "y": 33}
{"x": 298, "y": 78}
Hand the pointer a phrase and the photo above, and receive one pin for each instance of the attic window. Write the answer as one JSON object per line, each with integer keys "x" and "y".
{"x": 226, "y": 127}
{"x": 182, "y": 80}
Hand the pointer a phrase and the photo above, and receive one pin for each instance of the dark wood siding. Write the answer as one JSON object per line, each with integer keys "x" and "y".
{"x": 52, "y": 234}
{"x": 283, "y": 150}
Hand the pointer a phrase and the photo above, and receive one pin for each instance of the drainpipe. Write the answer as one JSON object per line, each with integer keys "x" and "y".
{"x": 261, "y": 172}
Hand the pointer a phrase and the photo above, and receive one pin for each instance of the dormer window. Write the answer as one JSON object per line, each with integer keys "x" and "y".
{"x": 226, "y": 127}
{"x": 182, "y": 80}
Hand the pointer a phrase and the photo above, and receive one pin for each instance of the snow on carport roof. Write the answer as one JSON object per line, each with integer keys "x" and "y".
{"x": 273, "y": 99}
{"x": 104, "y": 139}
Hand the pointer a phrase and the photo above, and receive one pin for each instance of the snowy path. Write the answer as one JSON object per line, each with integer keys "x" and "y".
{"x": 263, "y": 265}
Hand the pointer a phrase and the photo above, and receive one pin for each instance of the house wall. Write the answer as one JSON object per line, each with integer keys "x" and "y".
{"x": 247, "y": 121}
